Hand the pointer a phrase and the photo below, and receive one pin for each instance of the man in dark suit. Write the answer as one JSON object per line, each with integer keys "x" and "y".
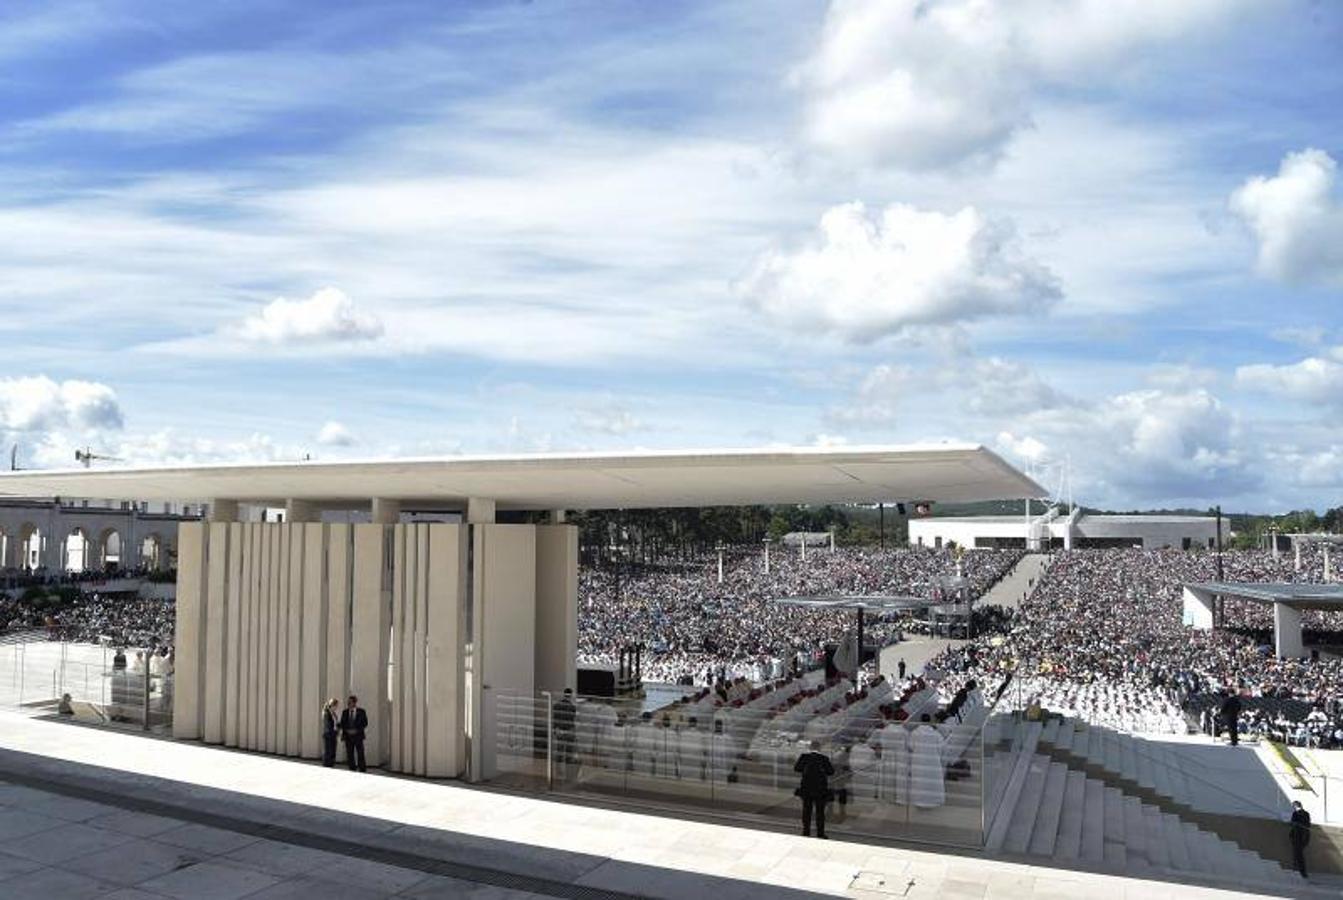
{"x": 1231, "y": 717}
{"x": 815, "y": 769}
{"x": 353, "y": 724}
{"x": 1299, "y": 835}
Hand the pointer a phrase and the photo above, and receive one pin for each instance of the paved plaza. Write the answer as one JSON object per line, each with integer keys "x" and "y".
{"x": 95, "y": 812}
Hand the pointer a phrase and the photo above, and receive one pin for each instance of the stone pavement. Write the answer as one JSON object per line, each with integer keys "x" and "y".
{"x": 94, "y": 812}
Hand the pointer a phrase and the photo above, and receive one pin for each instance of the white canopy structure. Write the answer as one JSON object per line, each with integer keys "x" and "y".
{"x": 1288, "y": 601}
{"x": 627, "y": 480}
{"x": 478, "y": 615}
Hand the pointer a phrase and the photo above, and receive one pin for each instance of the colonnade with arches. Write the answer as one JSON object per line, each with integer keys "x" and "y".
{"x": 50, "y": 536}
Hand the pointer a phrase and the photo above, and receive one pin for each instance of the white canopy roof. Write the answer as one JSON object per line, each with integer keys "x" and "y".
{"x": 939, "y": 472}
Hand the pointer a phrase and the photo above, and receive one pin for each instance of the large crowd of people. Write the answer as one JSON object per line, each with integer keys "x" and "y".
{"x": 1103, "y": 637}
{"x": 93, "y": 618}
{"x": 692, "y": 626}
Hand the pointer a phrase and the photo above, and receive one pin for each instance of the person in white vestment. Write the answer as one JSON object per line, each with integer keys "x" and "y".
{"x": 864, "y": 761}
{"x": 647, "y": 742}
{"x": 893, "y": 740}
{"x": 611, "y": 744}
{"x": 692, "y": 758}
{"x": 927, "y": 788}
{"x": 723, "y": 750}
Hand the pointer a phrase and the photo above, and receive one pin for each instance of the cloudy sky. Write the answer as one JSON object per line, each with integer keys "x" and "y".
{"x": 1106, "y": 233}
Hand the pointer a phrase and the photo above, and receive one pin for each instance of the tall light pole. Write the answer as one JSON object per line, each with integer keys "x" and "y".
{"x": 720, "y": 562}
{"x": 766, "y": 554}
{"x": 881, "y": 525}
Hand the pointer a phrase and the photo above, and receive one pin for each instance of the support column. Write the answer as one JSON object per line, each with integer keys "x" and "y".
{"x": 480, "y": 511}
{"x": 385, "y": 511}
{"x": 557, "y": 517}
{"x": 556, "y": 608}
{"x": 1328, "y": 565}
{"x": 301, "y": 511}
{"x": 1287, "y": 642}
{"x": 224, "y": 511}
{"x": 1296, "y": 545}
{"x": 1198, "y": 608}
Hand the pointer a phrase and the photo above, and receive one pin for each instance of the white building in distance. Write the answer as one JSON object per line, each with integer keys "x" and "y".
{"x": 1054, "y": 530}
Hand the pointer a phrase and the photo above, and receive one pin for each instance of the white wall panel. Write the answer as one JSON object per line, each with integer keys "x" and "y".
{"x": 505, "y": 597}
{"x": 188, "y": 643}
{"x": 294, "y": 639}
{"x": 313, "y": 675}
{"x": 369, "y": 639}
{"x": 399, "y": 645}
{"x": 556, "y": 607}
{"x": 445, "y": 606}
{"x": 233, "y": 636}
{"x": 339, "y": 586}
{"x": 216, "y": 632}
{"x": 421, "y": 711}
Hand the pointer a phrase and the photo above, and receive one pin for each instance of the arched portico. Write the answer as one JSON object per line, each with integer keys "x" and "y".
{"x": 109, "y": 542}
{"x": 30, "y": 546}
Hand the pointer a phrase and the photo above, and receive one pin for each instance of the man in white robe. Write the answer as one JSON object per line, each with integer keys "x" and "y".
{"x": 864, "y": 762}
{"x": 893, "y": 740}
{"x": 692, "y": 757}
{"x": 724, "y": 752}
{"x": 927, "y": 787}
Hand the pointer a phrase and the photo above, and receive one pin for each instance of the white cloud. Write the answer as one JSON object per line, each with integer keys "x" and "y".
{"x": 36, "y": 404}
{"x": 929, "y": 83}
{"x": 864, "y": 277}
{"x": 1027, "y": 449}
{"x": 326, "y": 316}
{"x": 610, "y": 419}
{"x": 998, "y": 387}
{"x": 1145, "y": 445}
{"x": 878, "y": 397}
{"x": 334, "y": 434}
{"x": 1313, "y": 380}
{"x": 1296, "y": 218}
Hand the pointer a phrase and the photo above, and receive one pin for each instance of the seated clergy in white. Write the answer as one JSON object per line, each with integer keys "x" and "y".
{"x": 927, "y": 787}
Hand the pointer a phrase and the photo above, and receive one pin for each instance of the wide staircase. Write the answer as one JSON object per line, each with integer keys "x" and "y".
{"x": 1089, "y": 797}
{"x": 1016, "y": 585}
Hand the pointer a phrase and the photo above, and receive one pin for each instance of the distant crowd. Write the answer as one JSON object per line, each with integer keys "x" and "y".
{"x": 695, "y": 628}
{"x": 1103, "y": 636}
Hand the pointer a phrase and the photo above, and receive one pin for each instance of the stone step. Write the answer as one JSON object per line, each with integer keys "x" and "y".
{"x": 1179, "y": 853}
{"x": 1093, "y": 822}
{"x": 1158, "y": 853}
{"x": 1044, "y": 837}
{"x": 1067, "y": 732}
{"x": 1112, "y": 751}
{"x": 1069, "y": 843}
{"x": 1128, "y": 763}
{"x": 1146, "y": 777}
{"x": 1195, "y": 847}
{"x": 1114, "y": 815}
{"x": 1028, "y": 807}
{"x": 1135, "y": 832}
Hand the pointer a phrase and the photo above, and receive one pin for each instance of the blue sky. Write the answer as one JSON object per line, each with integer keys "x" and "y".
{"x": 1101, "y": 234}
